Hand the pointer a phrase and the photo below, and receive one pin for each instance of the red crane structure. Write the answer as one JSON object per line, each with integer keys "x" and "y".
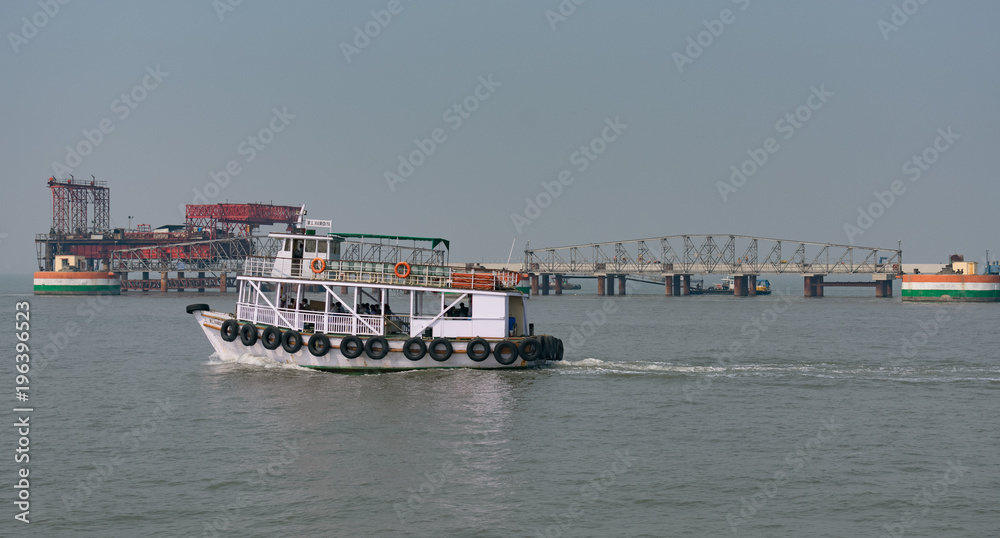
{"x": 239, "y": 220}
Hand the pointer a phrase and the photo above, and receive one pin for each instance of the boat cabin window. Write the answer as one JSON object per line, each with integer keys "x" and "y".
{"x": 288, "y": 245}
{"x": 299, "y": 246}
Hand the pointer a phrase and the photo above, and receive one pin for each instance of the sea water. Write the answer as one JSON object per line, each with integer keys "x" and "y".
{"x": 774, "y": 415}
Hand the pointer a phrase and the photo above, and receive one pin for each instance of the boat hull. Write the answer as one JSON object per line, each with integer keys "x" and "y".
{"x": 211, "y": 324}
{"x": 76, "y": 283}
{"x": 942, "y": 288}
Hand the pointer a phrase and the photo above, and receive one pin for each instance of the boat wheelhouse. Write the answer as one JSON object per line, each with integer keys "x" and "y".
{"x": 363, "y": 302}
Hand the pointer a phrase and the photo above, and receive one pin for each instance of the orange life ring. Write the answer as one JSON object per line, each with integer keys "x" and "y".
{"x": 322, "y": 265}
{"x": 406, "y": 269}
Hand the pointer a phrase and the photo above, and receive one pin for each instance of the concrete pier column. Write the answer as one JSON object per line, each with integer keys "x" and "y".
{"x": 558, "y": 284}
{"x": 611, "y": 285}
{"x": 600, "y": 286}
{"x": 145, "y": 276}
{"x": 752, "y": 285}
{"x": 621, "y": 284}
{"x": 163, "y": 281}
{"x": 201, "y": 274}
{"x": 740, "y": 285}
{"x": 534, "y": 284}
{"x": 222, "y": 283}
{"x": 883, "y": 285}
{"x": 813, "y": 286}
{"x": 685, "y": 284}
{"x": 807, "y": 289}
{"x": 676, "y": 284}
{"x": 545, "y": 284}
{"x": 668, "y": 285}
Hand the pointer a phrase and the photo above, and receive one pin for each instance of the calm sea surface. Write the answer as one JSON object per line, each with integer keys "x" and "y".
{"x": 695, "y": 416}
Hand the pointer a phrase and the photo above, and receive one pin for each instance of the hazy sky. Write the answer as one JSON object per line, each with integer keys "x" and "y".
{"x": 646, "y": 106}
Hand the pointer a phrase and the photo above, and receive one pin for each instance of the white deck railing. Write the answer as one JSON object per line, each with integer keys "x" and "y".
{"x": 437, "y": 276}
{"x": 363, "y": 324}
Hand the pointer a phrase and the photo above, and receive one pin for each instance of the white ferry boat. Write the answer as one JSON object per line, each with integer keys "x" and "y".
{"x": 382, "y": 306}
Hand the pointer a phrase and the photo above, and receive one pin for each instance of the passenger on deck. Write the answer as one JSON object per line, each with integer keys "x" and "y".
{"x": 463, "y": 311}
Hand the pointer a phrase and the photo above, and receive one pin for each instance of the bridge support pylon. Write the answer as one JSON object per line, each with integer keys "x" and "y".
{"x": 813, "y": 285}
{"x": 611, "y": 285}
{"x": 600, "y": 286}
{"x": 545, "y": 284}
{"x": 558, "y": 286}
{"x": 534, "y": 284}
{"x": 621, "y": 284}
{"x": 883, "y": 285}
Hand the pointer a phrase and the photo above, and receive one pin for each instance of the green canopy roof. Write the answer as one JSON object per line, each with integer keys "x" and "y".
{"x": 434, "y": 241}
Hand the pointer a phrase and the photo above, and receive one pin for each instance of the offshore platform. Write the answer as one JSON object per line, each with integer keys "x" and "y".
{"x": 213, "y": 242}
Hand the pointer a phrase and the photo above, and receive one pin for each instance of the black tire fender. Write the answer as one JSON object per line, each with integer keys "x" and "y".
{"x": 291, "y": 341}
{"x": 483, "y": 349}
{"x": 319, "y": 344}
{"x": 377, "y": 347}
{"x": 192, "y": 308}
{"x": 248, "y": 334}
{"x": 529, "y": 349}
{"x": 351, "y": 346}
{"x": 271, "y": 337}
{"x": 505, "y": 352}
{"x": 230, "y": 330}
{"x": 548, "y": 347}
{"x": 419, "y": 353}
{"x": 440, "y": 349}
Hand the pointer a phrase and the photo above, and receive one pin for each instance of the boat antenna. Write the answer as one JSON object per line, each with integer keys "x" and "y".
{"x": 511, "y": 253}
{"x": 302, "y": 216}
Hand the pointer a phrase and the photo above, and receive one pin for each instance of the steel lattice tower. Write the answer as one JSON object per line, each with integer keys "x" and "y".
{"x": 71, "y": 201}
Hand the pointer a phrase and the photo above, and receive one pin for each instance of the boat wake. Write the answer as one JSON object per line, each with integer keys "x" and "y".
{"x": 903, "y": 373}
{"x": 253, "y": 361}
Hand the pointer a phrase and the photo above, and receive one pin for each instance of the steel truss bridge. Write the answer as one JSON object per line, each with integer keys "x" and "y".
{"x": 229, "y": 254}
{"x": 711, "y": 255}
